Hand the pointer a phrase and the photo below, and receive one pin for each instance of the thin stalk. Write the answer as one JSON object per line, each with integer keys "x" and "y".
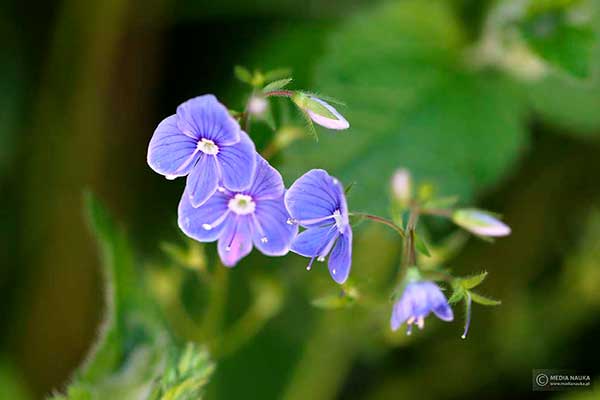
{"x": 410, "y": 253}
{"x": 279, "y": 93}
{"x": 383, "y": 221}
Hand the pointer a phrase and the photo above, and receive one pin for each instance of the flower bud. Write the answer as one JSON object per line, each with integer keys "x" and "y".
{"x": 480, "y": 222}
{"x": 402, "y": 186}
{"x": 320, "y": 112}
{"x": 257, "y": 105}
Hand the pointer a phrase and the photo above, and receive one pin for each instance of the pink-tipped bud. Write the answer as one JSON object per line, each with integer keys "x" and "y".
{"x": 320, "y": 112}
{"x": 257, "y": 105}
{"x": 402, "y": 186}
{"x": 480, "y": 222}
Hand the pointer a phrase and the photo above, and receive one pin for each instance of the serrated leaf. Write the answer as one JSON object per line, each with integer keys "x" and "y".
{"x": 134, "y": 345}
{"x": 421, "y": 246}
{"x": 485, "y": 301}
{"x": 412, "y": 102}
{"x": 276, "y": 85}
{"x": 243, "y": 74}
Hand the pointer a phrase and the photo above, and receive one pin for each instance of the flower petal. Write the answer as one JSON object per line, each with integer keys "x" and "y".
{"x": 340, "y": 259}
{"x": 204, "y": 117}
{"x": 267, "y": 183}
{"x": 311, "y": 241}
{"x": 238, "y": 163}
{"x": 401, "y": 312}
{"x": 236, "y": 240}
{"x": 438, "y": 303}
{"x": 315, "y": 195}
{"x": 272, "y": 234}
{"x": 171, "y": 152}
{"x": 203, "y": 180}
{"x": 194, "y": 221}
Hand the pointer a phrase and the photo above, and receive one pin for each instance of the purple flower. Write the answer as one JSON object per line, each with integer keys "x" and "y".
{"x": 239, "y": 219}
{"x": 417, "y": 301}
{"x": 205, "y": 143}
{"x": 316, "y": 201}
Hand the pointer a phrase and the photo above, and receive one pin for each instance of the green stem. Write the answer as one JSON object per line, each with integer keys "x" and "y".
{"x": 279, "y": 93}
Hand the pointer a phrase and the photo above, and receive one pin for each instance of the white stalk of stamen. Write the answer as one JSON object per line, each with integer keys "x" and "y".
{"x": 228, "y": 248}
{"x": 187, "y": 161}
{"x": 216, "y": 222}
{"x": 309, "y": 221}
{"x": 259, "y": 228}
{"x": 320, "y": 256}
{"x": 420, "y": 322}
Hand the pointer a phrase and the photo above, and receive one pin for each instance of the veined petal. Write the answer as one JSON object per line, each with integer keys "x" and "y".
{"x": 203, "y": 180}
{"x": 238, "y": 163}
{"x": 310, "y": 242}
{"x": 401, "y": 312}
{"x": 204, "y": 117}
{"x": 315, "y": 195}
{"x": 267, "y": 183}
{"x": 236, "y": 240}
{"x": 340, "y": 259}
{"x": 419, "y": 298}
{"x": 204, "y": 223}
{"x": 272, "y": 235}
{"x": 171, "y": 152}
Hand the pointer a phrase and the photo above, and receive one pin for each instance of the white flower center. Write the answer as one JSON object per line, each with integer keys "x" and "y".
{"x": 242, "y": 204}
{"x": 337, "y": 216}
{"x": 207, "y": 146}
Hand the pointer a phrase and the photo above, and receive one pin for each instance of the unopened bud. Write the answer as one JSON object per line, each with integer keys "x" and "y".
{"x": 402, "y": 186}
{"x": 320, "y": 112}
{"x": 480, "y": 222}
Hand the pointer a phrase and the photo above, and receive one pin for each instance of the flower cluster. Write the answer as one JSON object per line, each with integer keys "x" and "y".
{"x": 235, "y": 197}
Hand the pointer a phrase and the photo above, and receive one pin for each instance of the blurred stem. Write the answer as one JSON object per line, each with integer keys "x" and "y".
{"x": 381, "y": 220}
{"x": 436, "y": 212}
{"x": 213, "y": 318}
{"x": 410, "y": 254}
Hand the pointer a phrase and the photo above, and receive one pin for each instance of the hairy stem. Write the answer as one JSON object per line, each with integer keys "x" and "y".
{"x": 279, "y": 93}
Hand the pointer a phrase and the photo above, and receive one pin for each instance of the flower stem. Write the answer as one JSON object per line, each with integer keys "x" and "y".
{"x": 279, "y": 93}
{"x": 436, "y": 212}
{"x": 410, "y": 253}
{"x": 383, "y": 221}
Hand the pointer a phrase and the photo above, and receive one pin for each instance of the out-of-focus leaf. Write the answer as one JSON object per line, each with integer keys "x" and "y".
{"x": 562, "y": 43}
{"x": 276, "y": 85}
{"x": 242, "y": 74}
{"x": 134, "y": 346}
{"x": 412, "y": 103}
{"x": 186, "y": 376}
{"x": 421, "y": 246}
{"x": 485, "y": 301}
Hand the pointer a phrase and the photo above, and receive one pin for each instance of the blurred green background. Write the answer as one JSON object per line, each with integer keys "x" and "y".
{"x": 495, "y": 101}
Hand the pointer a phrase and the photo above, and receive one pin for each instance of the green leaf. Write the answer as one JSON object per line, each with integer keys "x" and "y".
{"x": 421, "y": 246}
{"x": 485, "y": 301}
{"x": 412, "y": 103}
{"x": 134, "y": 345}
{"x": 276, "y": 85}
{"x": 458, "y": 294}
{"x": 277, "y": 74}
{"x": 187, "y": 375}
{"x": 473, "y": 281}
{"x": 562, "y": 43}
{"x": 243, "y": 74}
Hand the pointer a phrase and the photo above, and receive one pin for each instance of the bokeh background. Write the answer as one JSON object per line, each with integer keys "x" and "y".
{"x": 500, "y": 108}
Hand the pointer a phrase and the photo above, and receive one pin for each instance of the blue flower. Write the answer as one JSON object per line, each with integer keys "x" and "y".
{"x": 316, "y": 201}
{"x": 205, "y": 143}
{"x": 239, "y": 219}
{"x": 417, "y": 301}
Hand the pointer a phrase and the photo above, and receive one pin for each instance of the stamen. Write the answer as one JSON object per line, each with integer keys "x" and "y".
{"x": 291, "y": 221}
{"x": 259, "y": 228}
{"x": 228, "y": 248}
{"x": 207, "y": 146}
{"x": 216, "y": 222}
{"x": 409, "y": 329}
{"x": 420, "y": 322}
{"x": 312, "y": 220}
{"x": 309, "y": 266}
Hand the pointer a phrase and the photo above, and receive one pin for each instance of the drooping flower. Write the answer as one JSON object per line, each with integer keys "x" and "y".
{"x": 418, "y": 300}
{"x": 316, "y": 201}
{"x": 480, "y": 222}
{"x": 240, "y": 219}
{"x": 205, "y": 143}
{"x": 320, "y": 111}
